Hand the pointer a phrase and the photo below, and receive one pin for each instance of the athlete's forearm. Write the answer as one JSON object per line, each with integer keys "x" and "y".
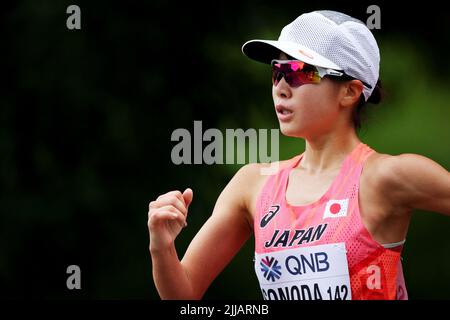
{"x": 169, "y": 275}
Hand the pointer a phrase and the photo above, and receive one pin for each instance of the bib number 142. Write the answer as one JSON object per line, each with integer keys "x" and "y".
{"x": 338, "y": 292}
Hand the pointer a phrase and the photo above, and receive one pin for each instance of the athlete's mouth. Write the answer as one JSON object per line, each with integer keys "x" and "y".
{"x": 282, "y": 109}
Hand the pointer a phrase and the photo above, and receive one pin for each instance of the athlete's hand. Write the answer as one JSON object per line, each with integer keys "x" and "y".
{"x": 166, "y": 217}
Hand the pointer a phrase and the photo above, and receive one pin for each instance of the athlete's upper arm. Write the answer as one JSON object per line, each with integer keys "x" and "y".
{"x": 416, "y": 182}
{"x": 224, "y": 232}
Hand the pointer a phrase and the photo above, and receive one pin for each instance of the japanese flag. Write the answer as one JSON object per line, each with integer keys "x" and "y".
{"x": 336, "y": 209}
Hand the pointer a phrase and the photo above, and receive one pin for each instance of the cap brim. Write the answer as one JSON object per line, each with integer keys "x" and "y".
{"x": 267, "y": 50}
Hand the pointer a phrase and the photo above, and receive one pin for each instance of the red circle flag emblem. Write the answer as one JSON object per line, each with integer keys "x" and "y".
{"x": 336, "y": 209}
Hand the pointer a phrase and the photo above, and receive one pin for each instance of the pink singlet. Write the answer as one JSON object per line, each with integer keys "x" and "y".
{"x": 322, "y": 250}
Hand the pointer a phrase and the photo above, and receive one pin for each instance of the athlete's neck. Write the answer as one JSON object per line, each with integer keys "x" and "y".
{"x": 327, "y": 152}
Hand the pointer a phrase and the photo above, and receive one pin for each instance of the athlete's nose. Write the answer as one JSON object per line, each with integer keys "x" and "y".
{"x": 282, "y": 89}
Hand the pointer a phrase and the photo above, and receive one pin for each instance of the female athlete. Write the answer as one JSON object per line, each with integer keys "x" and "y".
{"x": 331, "y": 222}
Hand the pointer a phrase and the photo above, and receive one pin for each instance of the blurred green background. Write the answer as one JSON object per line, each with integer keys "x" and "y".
{"x": 86, "y": 119}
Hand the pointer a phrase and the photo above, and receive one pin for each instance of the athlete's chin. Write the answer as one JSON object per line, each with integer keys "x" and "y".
{"x": 291, "y": 130}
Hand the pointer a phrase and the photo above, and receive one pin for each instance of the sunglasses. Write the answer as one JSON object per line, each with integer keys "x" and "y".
{"x": 297, "y": 73}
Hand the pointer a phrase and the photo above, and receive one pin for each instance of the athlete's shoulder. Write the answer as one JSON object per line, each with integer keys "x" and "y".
{"x": 393, "y": 169}
{"x": 397, "y": 176}
{"x": 252, "y": 174}
{"x": 412, "y": 180}
{"x": 251, "y": 178}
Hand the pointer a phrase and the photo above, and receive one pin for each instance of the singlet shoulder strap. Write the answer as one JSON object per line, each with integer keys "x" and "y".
{"x": 274, "y": 182}
{"x": 362, "y": 153}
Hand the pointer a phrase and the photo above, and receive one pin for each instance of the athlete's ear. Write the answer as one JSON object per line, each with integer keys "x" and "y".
{"x": 352, "y": 91}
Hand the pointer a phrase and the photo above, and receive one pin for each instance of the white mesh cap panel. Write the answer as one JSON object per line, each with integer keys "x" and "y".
{"x": 337, "y": 17}
{"x": 341, "y": 39}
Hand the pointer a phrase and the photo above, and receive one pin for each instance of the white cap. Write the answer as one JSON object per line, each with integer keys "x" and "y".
{"x": 326, "y": 39}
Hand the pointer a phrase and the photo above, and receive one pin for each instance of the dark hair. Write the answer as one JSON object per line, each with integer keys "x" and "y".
{"x": 358, "y": 115}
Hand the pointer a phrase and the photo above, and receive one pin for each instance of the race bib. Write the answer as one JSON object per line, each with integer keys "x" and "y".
{"x": 308, "y": 273}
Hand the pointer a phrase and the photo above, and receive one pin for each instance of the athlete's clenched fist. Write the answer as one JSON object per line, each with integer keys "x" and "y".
{"x": 167, "y": 216}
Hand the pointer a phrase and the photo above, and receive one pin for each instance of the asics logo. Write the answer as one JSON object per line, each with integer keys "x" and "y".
{"x": 272, "y": 212}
